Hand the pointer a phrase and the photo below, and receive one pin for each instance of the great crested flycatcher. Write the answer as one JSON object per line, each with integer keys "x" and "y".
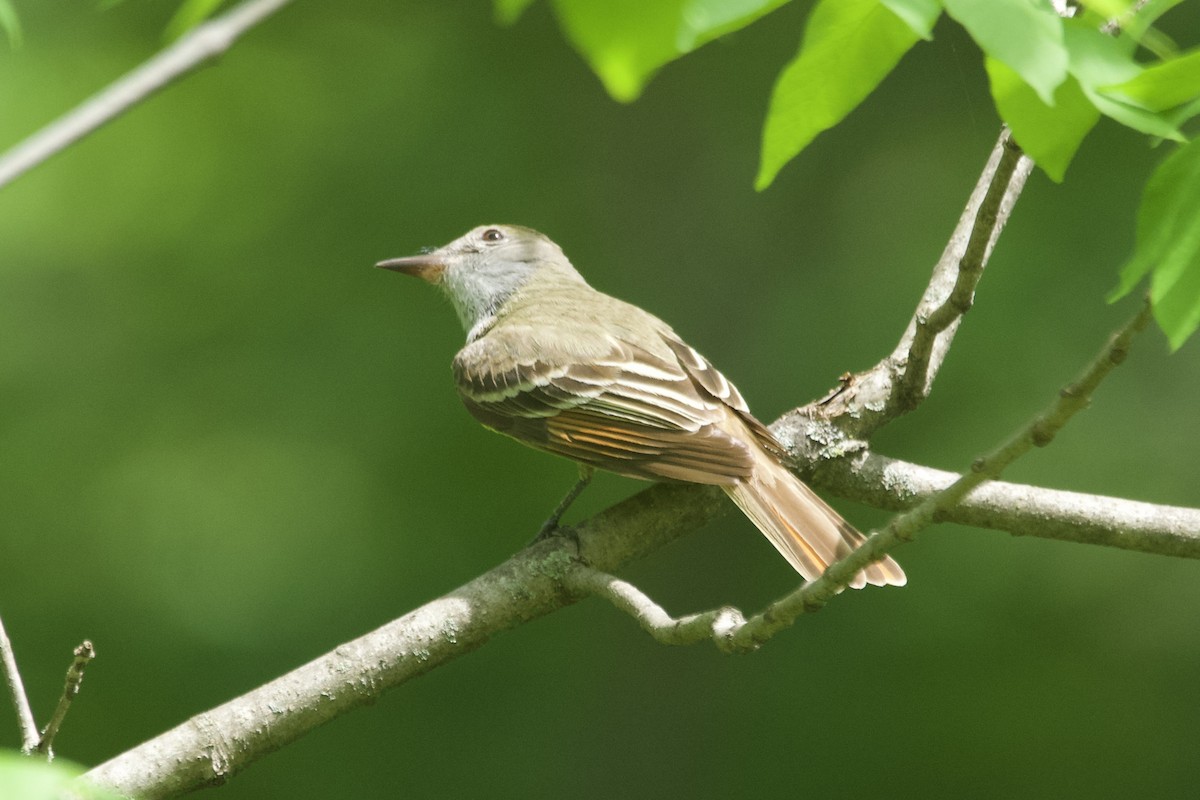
{"x": 564, "y": 368}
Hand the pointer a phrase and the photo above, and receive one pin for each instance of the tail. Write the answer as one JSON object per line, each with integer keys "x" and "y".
{"x": 803, "y": 528}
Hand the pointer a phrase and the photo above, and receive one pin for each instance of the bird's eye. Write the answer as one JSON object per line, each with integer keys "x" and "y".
{"x": 493, "y": 235}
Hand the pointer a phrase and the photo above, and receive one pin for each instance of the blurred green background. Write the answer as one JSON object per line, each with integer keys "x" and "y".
{"x": 228, "y": 444}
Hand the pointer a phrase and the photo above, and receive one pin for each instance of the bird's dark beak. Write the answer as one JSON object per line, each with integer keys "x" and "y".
{"x": 428, "y": 267}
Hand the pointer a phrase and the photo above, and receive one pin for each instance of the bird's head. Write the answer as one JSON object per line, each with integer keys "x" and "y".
{"x": 486, "y": 266}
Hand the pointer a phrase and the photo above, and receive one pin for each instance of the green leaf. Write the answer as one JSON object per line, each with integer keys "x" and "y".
{"x": 10, "y": 23}
{"x": 624, "y": 41}
{"x": 507, "y": 12}
{"x": 1135, "y": 117}
{"x": 29, "y": 778}
{"x": 1162, "y": 86}
{"x": 190, "y": 14}
{"x": 1024, "y": 34}
{"x": 705, "y": 20}
{"x": 1049, "y": 134}
{"x": 1168, "y": 245}
{"x": 1099, "y": 60}
{"x": 1177, "y": 305}
{"x": 849, "y": 46}
{"x": 920, "y": 15}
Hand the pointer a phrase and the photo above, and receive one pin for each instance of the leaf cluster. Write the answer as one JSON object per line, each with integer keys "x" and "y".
{"x": 1054, "y": 70}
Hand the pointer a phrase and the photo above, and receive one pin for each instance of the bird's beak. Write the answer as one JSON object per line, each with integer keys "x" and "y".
{"x": 428, "y": 267}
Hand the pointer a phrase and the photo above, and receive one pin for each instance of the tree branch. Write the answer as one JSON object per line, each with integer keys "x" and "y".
{"x": 201, "y": 45}
{"x": 20, "y": 701}
{"x": 1019, "y": 509}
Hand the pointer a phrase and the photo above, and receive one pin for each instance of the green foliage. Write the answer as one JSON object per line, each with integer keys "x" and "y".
{"x": 1051, "y": 78}
{"x": 1134, "y": 19}
{"x": 1104, "y": 78}
{"x": 1164, "y": 86}
{"x": 1100, "y": 61}
{"x": 920, "y": 15}
{"x": 626, "y": 41}
{"x": 1049, "y": 133}
{"x": 849, "y": 47}
{"x": 1168, "y": 245}
{"x": 32, "y": 778}
{"x": 1024, "y": 34}
{"x": 705, "y": 20}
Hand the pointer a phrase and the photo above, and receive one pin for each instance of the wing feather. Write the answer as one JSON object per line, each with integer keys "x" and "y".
{"x": 713, "y": 382}
{"x": 629, "y": 411}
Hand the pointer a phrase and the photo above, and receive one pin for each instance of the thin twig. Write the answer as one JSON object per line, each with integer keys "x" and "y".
{"x": 83, "y": 656}
{"x": 689, "y": 629}
{"x": 203, "y": 44}
{"x": 12, "y": 677}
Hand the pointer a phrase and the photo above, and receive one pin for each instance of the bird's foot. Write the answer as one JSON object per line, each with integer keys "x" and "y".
{"x": 551, "y": 527}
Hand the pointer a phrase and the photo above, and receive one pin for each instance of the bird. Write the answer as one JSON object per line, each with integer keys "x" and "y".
{"x": 569, "y": 370}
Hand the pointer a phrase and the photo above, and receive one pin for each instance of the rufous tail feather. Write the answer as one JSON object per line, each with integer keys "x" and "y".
{"x": 803, "y": 528}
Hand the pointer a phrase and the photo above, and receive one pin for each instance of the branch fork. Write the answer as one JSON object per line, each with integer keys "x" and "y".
{"x": 31, "y": 740}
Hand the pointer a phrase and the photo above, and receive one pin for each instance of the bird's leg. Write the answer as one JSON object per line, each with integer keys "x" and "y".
{"x": 550, "y": 526}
